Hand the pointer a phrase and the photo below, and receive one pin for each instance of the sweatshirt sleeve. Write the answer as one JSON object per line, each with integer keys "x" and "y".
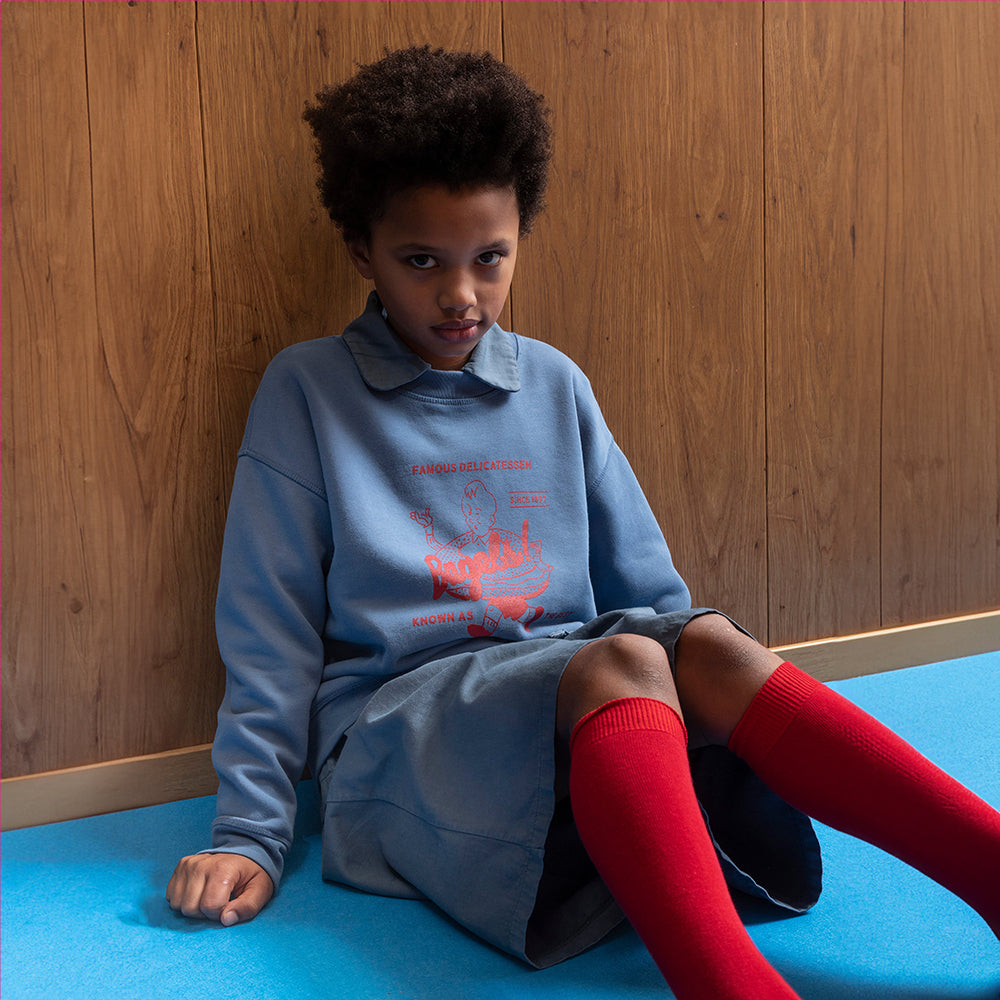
{"x": 630, "y": 562}
{"x": 270, "y": 617}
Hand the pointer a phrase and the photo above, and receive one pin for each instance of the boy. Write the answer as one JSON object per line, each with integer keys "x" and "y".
{"x": 443, "y": 589}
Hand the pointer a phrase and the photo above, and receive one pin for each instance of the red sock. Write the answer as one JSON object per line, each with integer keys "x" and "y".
{"x": 636, "y": 811}
{"x": 825, "y": 756}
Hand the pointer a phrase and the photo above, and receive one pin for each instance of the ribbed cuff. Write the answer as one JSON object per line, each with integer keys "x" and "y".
{"x": 629, "y": 715}
{"x": 771, "y": 712}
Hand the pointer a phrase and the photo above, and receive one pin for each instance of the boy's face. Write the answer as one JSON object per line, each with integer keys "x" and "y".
{"x": 442, "y": 263}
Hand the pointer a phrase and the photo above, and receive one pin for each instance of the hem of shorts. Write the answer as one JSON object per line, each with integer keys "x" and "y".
{"x": 594, "y": 929}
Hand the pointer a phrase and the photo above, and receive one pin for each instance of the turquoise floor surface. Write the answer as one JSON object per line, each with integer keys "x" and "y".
{"x": 84, "y": 918}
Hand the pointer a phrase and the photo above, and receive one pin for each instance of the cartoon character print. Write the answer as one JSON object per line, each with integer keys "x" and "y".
{"x": 487, "y": 563}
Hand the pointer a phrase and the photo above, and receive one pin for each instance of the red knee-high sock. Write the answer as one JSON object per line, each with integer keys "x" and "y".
{"x": 827, "y": 757}
{"x": 636, "y": 811}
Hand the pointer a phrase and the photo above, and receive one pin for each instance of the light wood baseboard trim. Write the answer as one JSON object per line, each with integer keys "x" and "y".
{"x": 892, "y": 648}
{"x": 129, "y": 783}
{"x": 187, "y": 773}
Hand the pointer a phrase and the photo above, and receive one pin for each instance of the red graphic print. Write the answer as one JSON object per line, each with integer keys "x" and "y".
{"x": 487, "y": 563}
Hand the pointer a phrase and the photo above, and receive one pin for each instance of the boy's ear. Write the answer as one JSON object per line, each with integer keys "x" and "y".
{"x": 360, "y": 256}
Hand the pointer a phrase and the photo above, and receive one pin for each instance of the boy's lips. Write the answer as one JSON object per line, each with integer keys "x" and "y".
{"x": 457, "y": 329}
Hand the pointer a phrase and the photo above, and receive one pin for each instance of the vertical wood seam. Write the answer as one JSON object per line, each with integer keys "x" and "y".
{"x": 503, "y": 40}
{"x": 898, "y": 123}
{"x": 890, "y": 123}
{"x": 90, "y": 160}
{"x": 209, "y": 248}
{"x": 764, "y": 320}
{"x": 98, "y": 322}
{"x": 512, "y": 293}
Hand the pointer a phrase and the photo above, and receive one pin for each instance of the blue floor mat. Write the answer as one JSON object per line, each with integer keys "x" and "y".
{"x": 84, "y": 917}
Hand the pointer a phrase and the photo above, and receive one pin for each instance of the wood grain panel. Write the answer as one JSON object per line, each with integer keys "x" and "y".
{"x": 831, "y": 76}
{"x": 941, "y": 470}
{"x": 126, "y": 519}
{"x": 157, "y": 528}
{"x": 280, "y": 272}
{"x": 49, "y": 329}
{"x": 647, "y": 267}
{"x": 162, "y": 239}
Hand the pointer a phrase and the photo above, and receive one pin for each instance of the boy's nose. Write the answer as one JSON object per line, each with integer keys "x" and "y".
{"x": 457, "y": 292}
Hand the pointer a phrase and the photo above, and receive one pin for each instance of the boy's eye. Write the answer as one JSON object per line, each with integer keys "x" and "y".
{"x": 491, "y": 258}
{"x": 421, "y": 261}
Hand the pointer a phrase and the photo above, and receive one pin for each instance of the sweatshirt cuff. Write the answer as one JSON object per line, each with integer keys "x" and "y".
{"x": 266, "y": 852}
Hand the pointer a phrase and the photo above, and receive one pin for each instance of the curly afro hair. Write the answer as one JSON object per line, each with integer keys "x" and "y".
{"x": 420, "y": 116}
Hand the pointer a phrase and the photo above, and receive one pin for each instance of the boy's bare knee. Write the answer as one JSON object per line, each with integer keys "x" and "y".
{"x": 636, "y": 657}
{"x": 713, "y": 631}
{"x": 617, "y": 666}
{"x": 719, "y": 671}
{"x": 712, "y": 642}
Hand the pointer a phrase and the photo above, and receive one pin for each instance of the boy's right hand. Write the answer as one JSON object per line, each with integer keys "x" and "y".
{"x": 225, "y": 887}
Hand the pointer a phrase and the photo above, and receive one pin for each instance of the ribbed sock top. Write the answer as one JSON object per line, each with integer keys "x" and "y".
{"x": 773, "y": 709}
{"x": 630, "y": 714}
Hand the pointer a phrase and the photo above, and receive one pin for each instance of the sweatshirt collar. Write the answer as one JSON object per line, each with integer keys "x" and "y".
{"x": 385, "y": 362}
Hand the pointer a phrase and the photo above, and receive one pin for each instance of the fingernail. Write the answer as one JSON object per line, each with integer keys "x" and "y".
{"x": 229, "y": 918}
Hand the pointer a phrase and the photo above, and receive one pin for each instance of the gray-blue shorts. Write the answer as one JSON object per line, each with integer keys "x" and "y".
{"x": 444, "y": 789}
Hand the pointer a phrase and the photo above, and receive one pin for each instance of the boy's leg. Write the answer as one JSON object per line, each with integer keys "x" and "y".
{"x": 828, "y": 758}
{"x": 834, "y": 762}
{"x": 637, "y": 815}
{"x": 814, "y": 748}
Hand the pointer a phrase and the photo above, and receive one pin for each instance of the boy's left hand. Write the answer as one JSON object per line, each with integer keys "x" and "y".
{"x": 225, "y": 887}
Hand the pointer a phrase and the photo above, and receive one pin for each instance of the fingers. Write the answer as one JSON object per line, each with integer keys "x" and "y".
{"x": 225, "y": 887}
{"x": 251, "y": 900}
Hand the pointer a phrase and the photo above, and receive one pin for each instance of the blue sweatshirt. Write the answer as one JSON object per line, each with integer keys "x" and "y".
{"x": 385, "y": 514}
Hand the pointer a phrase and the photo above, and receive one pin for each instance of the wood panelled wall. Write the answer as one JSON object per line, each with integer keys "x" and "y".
{"x": 773, "y": 240}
